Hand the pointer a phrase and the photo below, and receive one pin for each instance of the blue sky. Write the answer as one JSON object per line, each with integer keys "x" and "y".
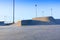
{"x": 25, "y": 9}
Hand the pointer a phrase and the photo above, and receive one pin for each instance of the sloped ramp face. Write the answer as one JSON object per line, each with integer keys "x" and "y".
{"x": 41, "y": 21}
{"x": 49, "y": 20}
{"x": 44, "y": 19}
{"x": 52, "y": 20}
{"x": 18, "y": 24}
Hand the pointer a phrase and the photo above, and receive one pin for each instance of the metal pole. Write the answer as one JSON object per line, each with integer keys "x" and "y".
{"x": 42, "y": 13}
{"x": 36, "y": 9}
{"x": 51, "y": 11}
{"x": 13, "y": 11}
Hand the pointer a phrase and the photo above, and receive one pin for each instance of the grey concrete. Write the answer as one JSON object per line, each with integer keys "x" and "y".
{"x": 43, "y": 32}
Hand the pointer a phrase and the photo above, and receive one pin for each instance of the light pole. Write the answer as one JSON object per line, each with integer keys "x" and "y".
{"x": 36, "y": 9}
{"x": 42, "y": 13}
{"x": 13, "y": 11}
{"x": 51, "y": 11}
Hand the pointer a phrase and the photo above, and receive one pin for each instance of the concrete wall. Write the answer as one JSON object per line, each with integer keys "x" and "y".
{"x": 1, "y": 23}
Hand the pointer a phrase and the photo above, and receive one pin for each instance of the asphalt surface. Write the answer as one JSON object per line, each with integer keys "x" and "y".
{"x": 38, "y": 32}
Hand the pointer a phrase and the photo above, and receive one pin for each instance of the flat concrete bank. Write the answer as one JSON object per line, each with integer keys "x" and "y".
{"x": 38, "y": 32}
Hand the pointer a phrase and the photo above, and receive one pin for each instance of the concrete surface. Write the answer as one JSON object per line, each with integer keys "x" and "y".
{"x": 38, "y": 32}
{"x": 44, "y": 19}
{"x": 18, "y": 24}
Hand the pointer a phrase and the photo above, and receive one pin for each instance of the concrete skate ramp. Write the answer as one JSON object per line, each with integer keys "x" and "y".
{"x": 44, "y": 19}
{"x": 39, "y": 21}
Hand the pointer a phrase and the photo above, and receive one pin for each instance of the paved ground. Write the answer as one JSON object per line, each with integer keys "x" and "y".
{"x": 49, "y": 32}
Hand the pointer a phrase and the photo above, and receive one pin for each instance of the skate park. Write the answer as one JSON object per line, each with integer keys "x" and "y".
{"x": 37, "y": 27}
